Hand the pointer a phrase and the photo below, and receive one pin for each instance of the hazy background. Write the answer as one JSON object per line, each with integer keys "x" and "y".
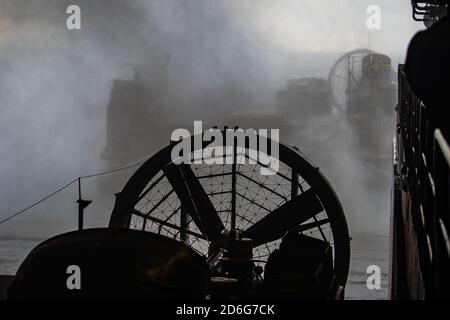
{"x": 55, "y": 85}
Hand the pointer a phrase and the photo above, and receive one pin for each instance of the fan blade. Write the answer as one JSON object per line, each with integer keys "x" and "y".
{"x": 274, "y": 225}
{"x": 195, "y": 200}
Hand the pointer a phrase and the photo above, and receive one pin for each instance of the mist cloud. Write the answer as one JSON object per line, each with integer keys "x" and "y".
{"x": 222, "y": 55}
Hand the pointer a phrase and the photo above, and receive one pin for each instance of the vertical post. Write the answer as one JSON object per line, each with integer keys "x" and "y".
{"x": 233, "y": 186}
{"x": 184, "y": 225}
{"x": 294, "y": 184}
{"x": 348, "y": 77}
{"x": 80, "y": 207}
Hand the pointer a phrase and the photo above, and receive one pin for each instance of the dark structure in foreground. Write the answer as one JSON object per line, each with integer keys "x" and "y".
{"x": 220, "y": 230}
{"x": 114, "y": 264}
{"x": 421, "y": 257}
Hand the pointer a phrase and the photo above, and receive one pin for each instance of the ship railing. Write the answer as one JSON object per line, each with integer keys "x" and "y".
{"x": 428, "y": 10}
{"x": 424, "y": 159}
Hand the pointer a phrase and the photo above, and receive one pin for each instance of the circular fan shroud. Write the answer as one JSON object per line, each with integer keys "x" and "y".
{"x": 150, "y": 202}
{"x": 344, "y": 75}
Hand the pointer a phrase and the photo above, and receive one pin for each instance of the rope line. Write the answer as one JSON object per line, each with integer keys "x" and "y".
{"x": 38, "y": 202}
{"x": 65, "y": 187}
{"x": 111, "y": 171}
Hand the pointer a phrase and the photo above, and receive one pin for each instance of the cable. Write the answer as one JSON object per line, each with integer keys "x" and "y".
{"x": 111, "y": 171}
{"x": 38, "y": 202}
{"x": 66, "y": 186}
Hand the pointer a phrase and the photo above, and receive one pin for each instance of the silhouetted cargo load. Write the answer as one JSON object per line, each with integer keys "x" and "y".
{"x": 140, "y": 119}
{"x": 304, "y": 98}
{"x": 135, "y": 112}
{"x": 133, "y": 122}
{"x": 301, "y": 267}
